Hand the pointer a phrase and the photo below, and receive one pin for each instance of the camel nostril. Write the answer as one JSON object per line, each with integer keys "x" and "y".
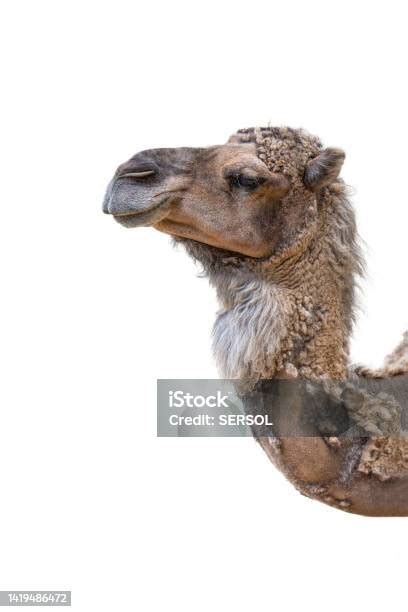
{"x": 137, "y": 170}
{"x": 139, "y": 175}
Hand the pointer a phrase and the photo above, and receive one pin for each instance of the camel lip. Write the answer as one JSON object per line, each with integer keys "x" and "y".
{"x": 137, "y": 213}
{"x": 146, "y": 217}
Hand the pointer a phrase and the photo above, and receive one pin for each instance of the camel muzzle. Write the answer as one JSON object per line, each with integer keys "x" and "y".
{"x": 134, "y": 204}
{"x": 144, "y": 188}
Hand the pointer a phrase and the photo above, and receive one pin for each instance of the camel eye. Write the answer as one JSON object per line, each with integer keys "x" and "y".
{"x": 246, "y": 182}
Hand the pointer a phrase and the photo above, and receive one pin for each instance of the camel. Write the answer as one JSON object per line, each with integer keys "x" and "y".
{"x": 269, "y": 219}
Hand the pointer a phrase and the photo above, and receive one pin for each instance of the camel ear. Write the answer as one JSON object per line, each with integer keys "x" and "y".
{"x": 324, "y": 169}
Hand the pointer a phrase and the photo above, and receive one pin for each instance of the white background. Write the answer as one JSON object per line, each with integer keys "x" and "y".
{"x": 93, "y": 314}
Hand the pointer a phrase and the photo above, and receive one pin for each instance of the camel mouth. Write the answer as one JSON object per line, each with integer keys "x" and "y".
{"x": 146, "y": 217}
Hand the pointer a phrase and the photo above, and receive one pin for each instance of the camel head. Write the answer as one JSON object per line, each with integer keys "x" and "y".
{"x": 257, "y": 196}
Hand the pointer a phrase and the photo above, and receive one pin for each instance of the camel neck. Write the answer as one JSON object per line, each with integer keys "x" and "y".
{"x": 294, "y": 321}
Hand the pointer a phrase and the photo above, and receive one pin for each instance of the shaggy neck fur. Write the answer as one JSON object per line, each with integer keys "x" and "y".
{"x": 292, "y": 317}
